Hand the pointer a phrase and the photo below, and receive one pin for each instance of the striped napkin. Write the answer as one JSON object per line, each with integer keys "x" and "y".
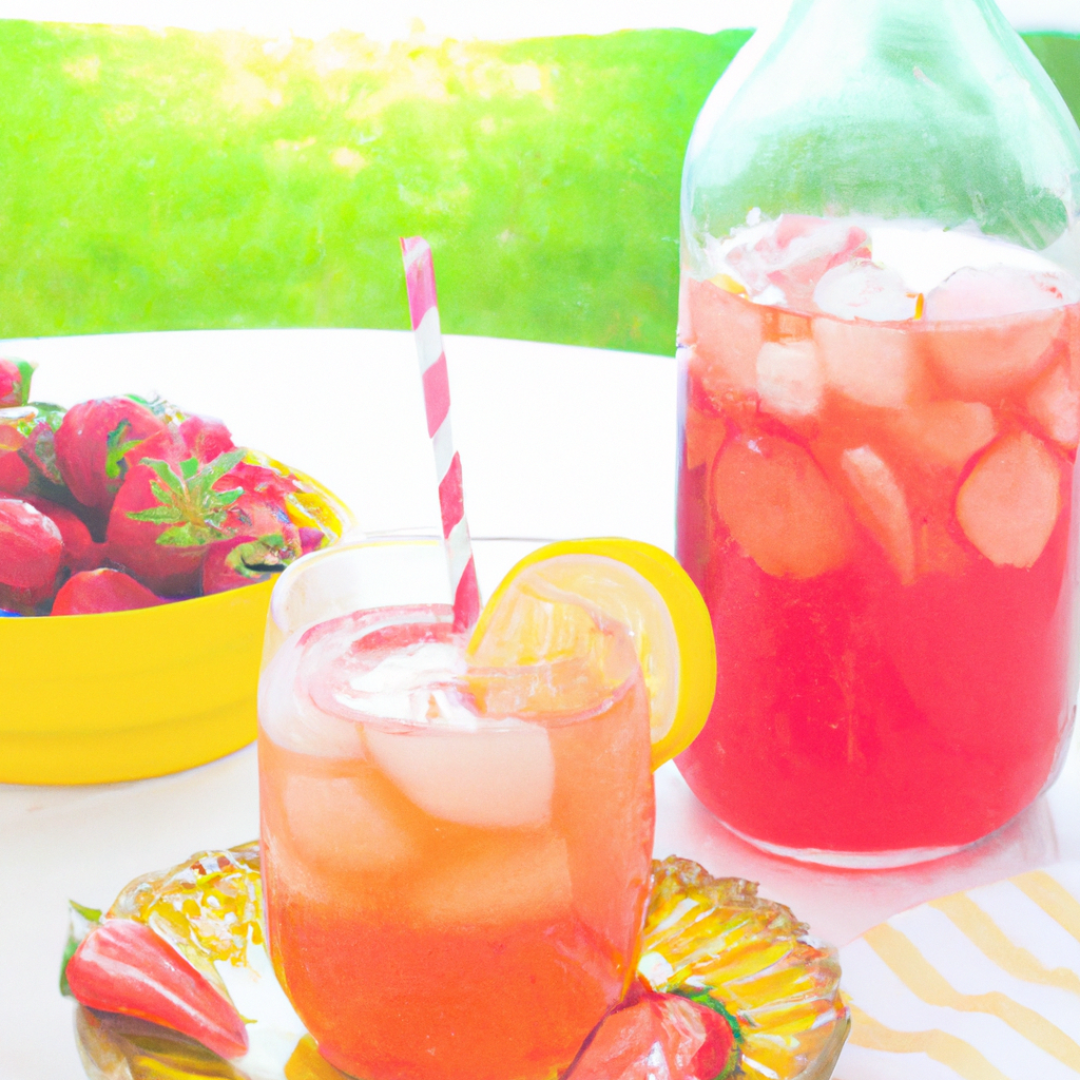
{"x": 980, "y": 985}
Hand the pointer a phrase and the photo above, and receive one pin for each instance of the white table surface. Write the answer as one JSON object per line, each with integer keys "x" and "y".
{"x": 555, "y": 442}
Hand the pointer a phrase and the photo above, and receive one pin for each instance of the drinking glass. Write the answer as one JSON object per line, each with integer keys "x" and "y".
{"x": 455, "y": 859}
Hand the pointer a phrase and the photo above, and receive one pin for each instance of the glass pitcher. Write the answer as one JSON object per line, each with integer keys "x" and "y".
{"x": 879, "y": 342}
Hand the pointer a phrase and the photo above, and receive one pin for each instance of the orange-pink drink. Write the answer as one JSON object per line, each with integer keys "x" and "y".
{"x": 876, "y": 498}
{"x": 456, "y": 859}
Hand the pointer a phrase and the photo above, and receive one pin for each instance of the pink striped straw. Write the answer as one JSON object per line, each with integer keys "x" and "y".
{"x": 424, "y": 312}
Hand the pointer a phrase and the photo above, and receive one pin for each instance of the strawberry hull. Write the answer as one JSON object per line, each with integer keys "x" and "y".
{"x": 168, "y": 569}
{"x": 240, "y": 561}
{"x": 165, "y": 517}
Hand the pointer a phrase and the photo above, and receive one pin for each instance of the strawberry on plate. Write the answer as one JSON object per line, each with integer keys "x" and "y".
{"x": 652, "y": 1035}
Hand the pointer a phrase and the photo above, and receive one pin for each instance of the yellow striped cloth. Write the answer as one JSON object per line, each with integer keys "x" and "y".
{"x": 981, "y": 985}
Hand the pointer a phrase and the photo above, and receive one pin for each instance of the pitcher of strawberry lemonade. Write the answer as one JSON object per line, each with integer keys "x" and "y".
{"x": 879, "y": 342}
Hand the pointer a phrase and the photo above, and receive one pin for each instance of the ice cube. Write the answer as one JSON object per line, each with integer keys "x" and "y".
{"x": 512, "y": 878}
{"x": 725, "y": 334}
{"x": 704, "y": 434}
{"x": 780, "y": 508}
{"x": 1054, "y": 404}
{"x": 339, "y": 822}
{"x": 885, "y": 509}
{"x": 790, "y": 260}
{"x": 874, "y": 365}
{"x": 790, "y": 379}
{"x": 989, "y": 331}
{"x": 946, "y": 433}
{"x": 1010, "y": 502}
{"x": 974, "y": 294}
{"x": 501, "y": 778}
{"x": 863, "y": 290}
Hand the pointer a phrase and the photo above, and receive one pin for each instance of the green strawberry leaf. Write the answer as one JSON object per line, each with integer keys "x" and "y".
{"x": 81, "y": 920}
{"x": 166, "y": 475}
{"x": 187, "y": 500}
{"x": 189, "y": 535}
{"x": 222, "y": 464}
{"x": 702, "y": 996}
{"x": 117, "y": 449}
{"x": 159, "y": 515}
{"x": 269, "y": 555}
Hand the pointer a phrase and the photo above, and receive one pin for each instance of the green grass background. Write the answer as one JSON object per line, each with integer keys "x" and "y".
{"x": 175, "y": 180}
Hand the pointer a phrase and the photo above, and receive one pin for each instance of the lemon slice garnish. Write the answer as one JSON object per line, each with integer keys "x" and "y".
{"x": 540, "y": 612}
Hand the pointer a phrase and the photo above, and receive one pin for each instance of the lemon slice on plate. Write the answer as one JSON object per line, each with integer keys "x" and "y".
{"x": 635, "y": 584}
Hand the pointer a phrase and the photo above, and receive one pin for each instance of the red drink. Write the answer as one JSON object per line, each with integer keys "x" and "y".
{"x": 876, "y": 502}
{"x": 455, "y": 884}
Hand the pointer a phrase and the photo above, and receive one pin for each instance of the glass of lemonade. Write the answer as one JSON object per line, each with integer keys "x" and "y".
{"x": 456, "y": 857}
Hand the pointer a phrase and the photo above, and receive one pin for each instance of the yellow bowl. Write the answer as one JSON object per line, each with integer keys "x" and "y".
{"x": 93, "y": 698}
{"x": 89, "y": 699}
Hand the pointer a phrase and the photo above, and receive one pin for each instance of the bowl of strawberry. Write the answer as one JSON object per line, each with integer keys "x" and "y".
{"x": 138, "y": 548}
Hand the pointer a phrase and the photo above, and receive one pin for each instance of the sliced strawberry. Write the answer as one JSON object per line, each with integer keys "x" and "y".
{"x": 95, "y": 591}
{"x": 99, "y": 442}
{"x": 15, "y": 378}
{"x": 31, "y": 546}
{"x": 244, "y": 560}
{"x": 165, "y": 518}
{"x": 123, "y": 966}
{"x": 780, "y": 508}
{"x": 659, "y": 1035}
{"x": 14, "y": 473}
{"x": 80, "y": 551}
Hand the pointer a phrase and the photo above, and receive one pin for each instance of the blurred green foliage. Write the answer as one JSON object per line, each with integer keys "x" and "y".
{"x": 173, "y": 180}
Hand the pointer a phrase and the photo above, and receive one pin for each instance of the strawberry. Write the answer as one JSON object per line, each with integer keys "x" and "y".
{"x": 15, "y": 424}
{"x": 166, "y": 515}
{"x": 80, "y": 551}
{"x": 14, "y": 473}
{"x": 31, "y": 547}
{"x": 652, "y": 1035}
{"x": 95, "y": 591}
{"x": 39, "y": 450}
{"x": 123, "y": 966}
{"x": 100, "y": 441}
{"x": 244, "y": 560}
{"x": 204, "y": 438}
{"x": 15, "y": 382}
